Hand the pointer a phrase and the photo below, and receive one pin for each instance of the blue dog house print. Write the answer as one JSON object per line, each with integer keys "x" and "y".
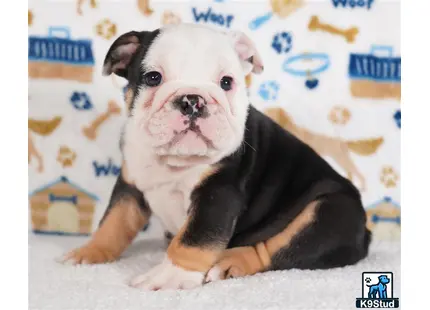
{"x": 54, "y": 57}
{"x": 375, "y": 77}
{"x": 62, "y": 207}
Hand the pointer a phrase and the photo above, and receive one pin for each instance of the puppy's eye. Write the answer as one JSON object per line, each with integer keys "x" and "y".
{"x": 152, "y": 78}
{"x": 226, "y": 83}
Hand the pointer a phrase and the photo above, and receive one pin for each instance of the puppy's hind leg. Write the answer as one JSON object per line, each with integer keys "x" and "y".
{"x": 328, "y": 232}
{"x": 338, "y": 237}
{"x": 248, "y": 260}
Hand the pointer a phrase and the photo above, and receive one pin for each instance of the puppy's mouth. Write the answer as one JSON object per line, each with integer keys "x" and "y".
{"x": 192, "y": 128}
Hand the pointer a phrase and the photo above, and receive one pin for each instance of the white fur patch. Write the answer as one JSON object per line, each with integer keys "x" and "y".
{"x": 167, "y": 189}
{"x": 214, "y": 274}
{"x": 168, "y": 276}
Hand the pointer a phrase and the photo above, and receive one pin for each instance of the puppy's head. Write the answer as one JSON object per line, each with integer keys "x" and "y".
{"x": 187, "y": 94}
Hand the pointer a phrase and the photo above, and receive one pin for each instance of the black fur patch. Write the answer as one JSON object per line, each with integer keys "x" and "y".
{"x": 262, "y": 188}
{"x": 133, "y": 70}
{"x": 123, "y": 190}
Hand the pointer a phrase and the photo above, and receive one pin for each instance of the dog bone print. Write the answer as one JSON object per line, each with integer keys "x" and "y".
{"x": 348, "y": 34}
{"x": 144, "y": 7}
{"x": 79, "y": 3}
{"x": 91, "y": 131}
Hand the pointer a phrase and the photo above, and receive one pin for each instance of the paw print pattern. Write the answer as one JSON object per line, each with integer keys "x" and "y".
{"x": 269, "y": 90}
{"x": 282, "y": 42}
{"x": 389, "y": 177}
{"x": 339, "y": 115}
{"x": 106, "y": 29}
{"x": 81, "y": 101}
{"x": 368, "y": 280}
{"x": 397, "y": 118}
{"x": 66, "y": 156}
{"x": 170, "y": 18}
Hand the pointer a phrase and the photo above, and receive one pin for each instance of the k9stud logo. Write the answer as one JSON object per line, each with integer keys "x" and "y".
{"x": 377, "y": 291}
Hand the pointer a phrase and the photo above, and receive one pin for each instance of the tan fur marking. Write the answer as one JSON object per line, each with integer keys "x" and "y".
{"x": 119, "y": 228}
{"x": 263, "y": 254}
{"x": 207, "y": 173}
{"x": 249, "y": 260}
{"x": 129, "y": 97}
{"x": 191, "y": 258}
{"x": 283, "y": 239}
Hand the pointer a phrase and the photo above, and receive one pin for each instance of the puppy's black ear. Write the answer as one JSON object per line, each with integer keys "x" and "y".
{"x": 121, "y": 52}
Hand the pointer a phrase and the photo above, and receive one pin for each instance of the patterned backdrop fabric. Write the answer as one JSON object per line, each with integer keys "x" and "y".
{"x": 332, "y": 77}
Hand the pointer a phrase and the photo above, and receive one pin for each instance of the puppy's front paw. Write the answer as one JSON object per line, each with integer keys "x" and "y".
{"x": 168, "y": 276}
{"x": 89, "y": 254}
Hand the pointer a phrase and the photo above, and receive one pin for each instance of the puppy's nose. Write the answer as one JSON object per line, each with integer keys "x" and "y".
{"x": 191, "y": 105}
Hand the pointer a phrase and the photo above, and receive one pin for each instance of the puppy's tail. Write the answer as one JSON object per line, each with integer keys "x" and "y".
{"x": 365, "y": 147}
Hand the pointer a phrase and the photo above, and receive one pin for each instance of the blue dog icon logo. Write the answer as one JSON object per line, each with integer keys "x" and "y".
{"x": 379, "y": 290}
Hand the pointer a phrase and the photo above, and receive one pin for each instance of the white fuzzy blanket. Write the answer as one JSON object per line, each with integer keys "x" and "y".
{"x": 61, "y": 287}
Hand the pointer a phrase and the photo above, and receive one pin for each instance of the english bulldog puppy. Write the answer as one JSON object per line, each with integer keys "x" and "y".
{"x": 238, "y": 194}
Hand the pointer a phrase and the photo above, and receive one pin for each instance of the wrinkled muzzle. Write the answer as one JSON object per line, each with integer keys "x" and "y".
{"x": 187, "y": 119}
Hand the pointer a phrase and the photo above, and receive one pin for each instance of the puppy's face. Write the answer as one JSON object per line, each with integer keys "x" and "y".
{"x": 187, "y": 94}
